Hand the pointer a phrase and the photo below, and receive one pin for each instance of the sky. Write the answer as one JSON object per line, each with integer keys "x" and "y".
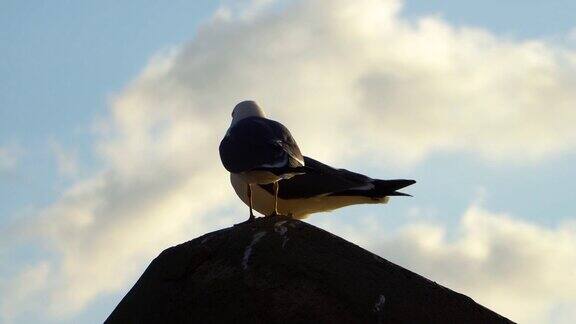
{"x": 111, "y": 114}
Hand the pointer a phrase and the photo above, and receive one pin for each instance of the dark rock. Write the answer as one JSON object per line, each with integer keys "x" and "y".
{"x": 279, "y": 270}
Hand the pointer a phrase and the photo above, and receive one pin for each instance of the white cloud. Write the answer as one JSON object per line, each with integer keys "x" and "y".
{"x": 28, "y": 283}
{"x": 572, "y": 35}
{"x": 411, "y": 88}
{"x": 376, "y": 82}
{"x": 518, "y": 269}
{"x": 9, "y": 155}
{"x": 66, "y": 160}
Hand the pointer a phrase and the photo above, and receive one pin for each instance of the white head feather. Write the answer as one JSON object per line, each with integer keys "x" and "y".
{"x": 246, "y": 109}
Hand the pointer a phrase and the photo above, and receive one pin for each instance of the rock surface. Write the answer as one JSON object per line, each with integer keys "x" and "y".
{"x": 279, "y": 270}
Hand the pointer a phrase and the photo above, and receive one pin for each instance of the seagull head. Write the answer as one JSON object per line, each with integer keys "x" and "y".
{"x": 246, "y": 109}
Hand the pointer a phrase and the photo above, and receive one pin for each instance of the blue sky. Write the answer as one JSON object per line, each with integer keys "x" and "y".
{"x": 94, "y": 49}
{"x": 523, "y": 19}
{"x": 69, "y": 69}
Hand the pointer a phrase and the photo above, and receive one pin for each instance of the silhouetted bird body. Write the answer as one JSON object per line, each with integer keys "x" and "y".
{"x": 270, "y": 174}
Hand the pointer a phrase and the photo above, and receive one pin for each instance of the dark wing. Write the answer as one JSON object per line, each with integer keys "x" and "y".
{"x": 322, "y": 180}
{"x": 259, "y": 143}
{"x": 326, "y": 180}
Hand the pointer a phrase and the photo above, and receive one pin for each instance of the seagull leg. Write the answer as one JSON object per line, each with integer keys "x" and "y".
{"x": 249, "y": 190}
{"x": 275, "y": 186}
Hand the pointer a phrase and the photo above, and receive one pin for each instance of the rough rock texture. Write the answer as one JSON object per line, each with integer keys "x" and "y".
{"x": 278, "y": 270}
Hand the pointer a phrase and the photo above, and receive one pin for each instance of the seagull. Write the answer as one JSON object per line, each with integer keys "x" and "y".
{"x": 322, "y": 190}
{"x": 259, "y": 151}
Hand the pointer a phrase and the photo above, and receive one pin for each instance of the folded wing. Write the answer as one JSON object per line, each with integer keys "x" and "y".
{"x": 257, "y": 143}
{"x": 328, "y": 181}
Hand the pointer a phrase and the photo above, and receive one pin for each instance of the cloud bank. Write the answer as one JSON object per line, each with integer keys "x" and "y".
{"x": 516, "y": 268}
{"x": 397, "y": 89}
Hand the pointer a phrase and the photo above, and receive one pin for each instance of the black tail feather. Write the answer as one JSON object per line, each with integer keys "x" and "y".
{"x": 387, "y": 187}
{"x": 398, "y": 193}
{"x": 381, "y": 188}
